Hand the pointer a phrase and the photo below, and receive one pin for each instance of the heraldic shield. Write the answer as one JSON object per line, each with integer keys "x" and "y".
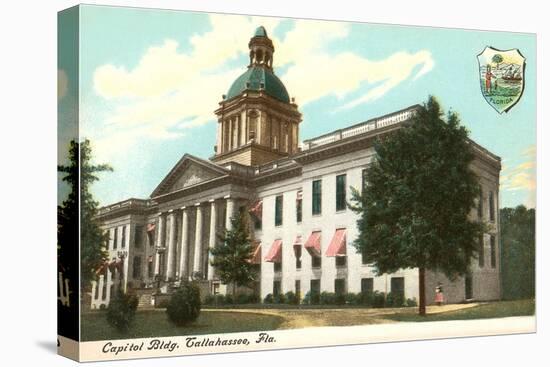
{"x": 501, "y": 75}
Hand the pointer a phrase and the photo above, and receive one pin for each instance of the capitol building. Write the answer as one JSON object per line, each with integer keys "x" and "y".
{"x": 294, "y": 193}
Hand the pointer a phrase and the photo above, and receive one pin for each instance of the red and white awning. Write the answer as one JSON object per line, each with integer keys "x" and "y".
{"x": 256, "y": 209}
{"x": 256, "y": 257}
{"x": 313, "y": 244}
{"x": 275, "y": 252}
{"x": 337, "y": 245}
{"x": 151, "y": 227}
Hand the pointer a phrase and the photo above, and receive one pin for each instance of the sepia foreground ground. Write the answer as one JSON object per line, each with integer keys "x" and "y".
{"x": 154, "y": 323}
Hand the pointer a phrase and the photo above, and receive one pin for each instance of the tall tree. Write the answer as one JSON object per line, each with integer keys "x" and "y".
{"x": 232, "y": 256}
{"x": 80, "y": 174}
{"x": 517, "y": 237}
{"x": 419, "y": 191}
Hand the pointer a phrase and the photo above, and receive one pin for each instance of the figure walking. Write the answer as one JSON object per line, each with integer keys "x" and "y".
{"x": 439, "y": 299}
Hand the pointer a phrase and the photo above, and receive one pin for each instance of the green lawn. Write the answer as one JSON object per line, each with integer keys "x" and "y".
{"x": 484, "y": 311}
{"x": 156, "y": 323}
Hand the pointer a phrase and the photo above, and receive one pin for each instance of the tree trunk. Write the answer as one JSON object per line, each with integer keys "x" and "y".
{"x": 422, "y": 291}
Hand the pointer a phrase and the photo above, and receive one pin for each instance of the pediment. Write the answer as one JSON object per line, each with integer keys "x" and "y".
{"x": 189, "y": 171}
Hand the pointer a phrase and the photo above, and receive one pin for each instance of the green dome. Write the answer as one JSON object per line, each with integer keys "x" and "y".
{"x": 253, "y": 78}
{"x": 260, "y": 32}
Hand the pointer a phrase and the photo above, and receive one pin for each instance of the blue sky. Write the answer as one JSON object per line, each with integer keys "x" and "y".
{"x": 150, "y": 81}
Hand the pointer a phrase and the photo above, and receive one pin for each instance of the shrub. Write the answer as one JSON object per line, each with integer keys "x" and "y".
{"x": 378, "y": 299}
{"x": 242, "y": 298}
{"x": 279, "y": 298}
{"x": 395, "y": 300}
{"x": 291, "y": 298}
{"x": 366, "y": 298}
{"x": 340, "y": 298}
{"x": 327, "y": 298}
{"x": 227, "y": 299}
{"x": 268, "y": 298}
{"x": 254, "y": 298}
{"x": 209, "y": 300}
{"x": 185, "y": 304}
{"x": 353, "y": 298}
{"x": 411, "y": 302}
{"x": 121, "y": 311}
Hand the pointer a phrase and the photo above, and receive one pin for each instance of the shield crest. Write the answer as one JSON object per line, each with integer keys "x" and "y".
{"x": 501, "y": 75}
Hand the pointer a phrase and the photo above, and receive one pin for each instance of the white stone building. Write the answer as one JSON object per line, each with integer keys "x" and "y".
{"x": 295, "y": 194}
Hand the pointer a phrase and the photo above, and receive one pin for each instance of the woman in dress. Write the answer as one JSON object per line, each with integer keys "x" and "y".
{"x": 439, "y": 299}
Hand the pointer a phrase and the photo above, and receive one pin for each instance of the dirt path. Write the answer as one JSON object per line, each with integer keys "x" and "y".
{"x": 303, "y": 318}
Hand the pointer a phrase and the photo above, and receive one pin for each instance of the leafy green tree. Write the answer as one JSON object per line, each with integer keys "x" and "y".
{"x": 80, "y": 174}
{"x": 231, "y": 257}
{"x": 517, "y": 236}
{"x": 497, "y": 59}
{"x": 419, "y": 191}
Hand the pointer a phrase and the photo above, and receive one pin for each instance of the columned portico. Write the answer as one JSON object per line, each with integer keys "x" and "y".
{"x": 212, "y": 237}
{"x": 184, "y": 271}
{"x": 159, "y": 243}
{"x": 197, "y": 261}
{"x": 171, "y": 247}
{"x": 229, "y": 211}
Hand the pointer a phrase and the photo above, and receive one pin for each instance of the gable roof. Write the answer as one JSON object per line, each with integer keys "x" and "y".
{"x": 186, "y": 161}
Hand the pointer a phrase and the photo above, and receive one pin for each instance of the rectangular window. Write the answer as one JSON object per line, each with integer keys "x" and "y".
{"x": 339, "y": 286}
{"x": 136, "y": 267}
{"x": 123, "y": 242}
{"x": 150, "y": 268}
{"x": 316, "y": 261}
{"x": 279, "y": 210}
{"x": 299, "y": 210}
{"x": 491, "y": 206}
{"x": 138, "y": 235}
{"x": 480, "y": 205}
{"x": 341, "y": 261}
{"x": 316, "y": 196}
{"x": 276, "y": 287}
{"x": 298, "y": 253}
{"x": 364, "y": 258}
{"x": 398, "y": 286}
{"x": 364, "y": 181}
{"x": 257, "y": 223}
{"x": 493, "y": 252}
{"x": 481, "y": 253}
{"x": 277, "y": 267}
{"x": 367, "y": 285}
{"x": 315, "y": 286}
{"x": 115, "y": 240}
{"x": 341, "y": 192}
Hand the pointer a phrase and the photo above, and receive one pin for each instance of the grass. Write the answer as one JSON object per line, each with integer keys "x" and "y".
{"x": 156, "y": 324}
{"x": 483, "y": 311}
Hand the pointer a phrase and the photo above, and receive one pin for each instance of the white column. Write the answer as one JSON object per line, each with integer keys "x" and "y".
{"x": 108, "y": 284}
{"x": 219, "y": 137}
{"x": 184, "y": 244}
{"x": 100, "y": 286}
{"x": 229, "y": 212}
{"x": 198, "y": 241}
{"x": 160, "y": 234}
{"x": 171, "y": 246}
{"x": 212, "y": 237}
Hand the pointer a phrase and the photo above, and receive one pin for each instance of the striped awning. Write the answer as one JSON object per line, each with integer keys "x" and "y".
{"x": 313, "y": 244}
{"x": 256, "y": 257}
{"x": 151, "y": 227}
{"x": 275, "y": 252}
{"x": 337, "y": 245}
{"x": 256, "y": 209}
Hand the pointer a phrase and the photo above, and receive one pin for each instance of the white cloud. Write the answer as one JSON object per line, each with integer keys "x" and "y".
{"x": 170, "y": 90}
